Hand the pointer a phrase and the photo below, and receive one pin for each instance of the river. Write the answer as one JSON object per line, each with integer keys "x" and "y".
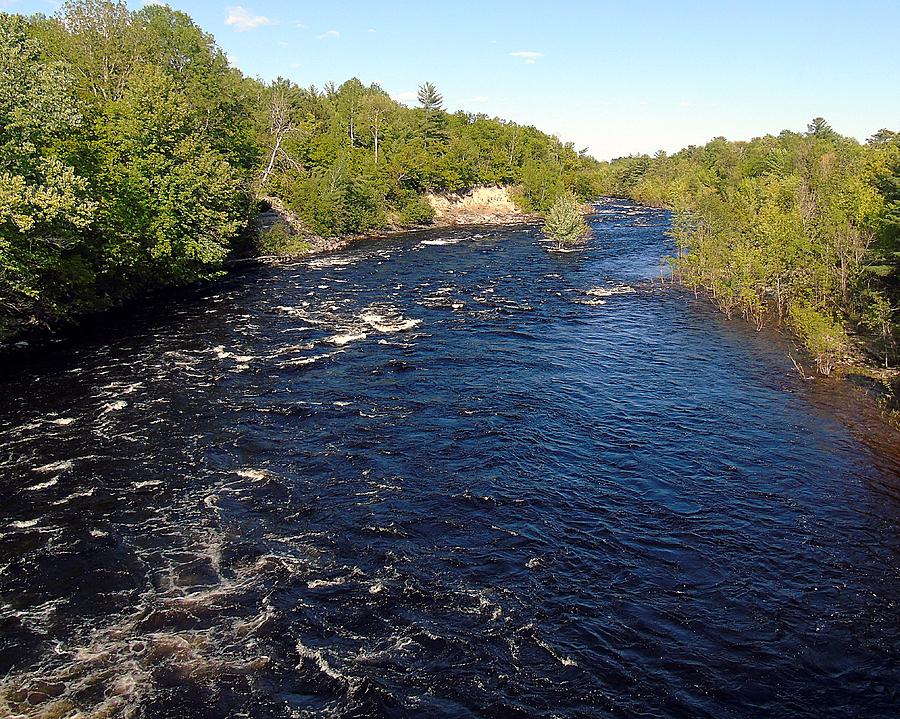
{"x": 445, "y": 474}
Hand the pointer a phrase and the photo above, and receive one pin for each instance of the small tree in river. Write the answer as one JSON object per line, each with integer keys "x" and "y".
{"x": 564, "y": 223}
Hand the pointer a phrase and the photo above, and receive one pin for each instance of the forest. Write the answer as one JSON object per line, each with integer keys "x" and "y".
{"x": 133, "y": 157}
{"x": 800, "y": 228}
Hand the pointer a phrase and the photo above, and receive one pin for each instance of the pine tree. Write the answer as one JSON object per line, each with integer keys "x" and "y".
{"x": 564, "y": 223}
{"x": 429, "y": 98}
{"x": 819, "y": 128}
{"x": 432, "y": 103}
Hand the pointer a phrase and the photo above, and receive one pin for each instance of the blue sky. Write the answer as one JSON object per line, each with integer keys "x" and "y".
{"x": 616, "y": 77}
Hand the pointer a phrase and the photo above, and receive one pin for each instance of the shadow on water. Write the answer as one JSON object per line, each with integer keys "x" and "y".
{"x": 447, "y": 474}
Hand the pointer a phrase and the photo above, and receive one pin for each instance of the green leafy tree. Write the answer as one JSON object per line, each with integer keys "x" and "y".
{"x": 878, "y": 316}
{"x": 44, "y": 202}
{"x": 819, "y": 128}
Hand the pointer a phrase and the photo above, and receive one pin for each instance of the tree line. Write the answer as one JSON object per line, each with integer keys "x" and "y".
{"x": 133, "y": 156}
{"x": 802, "y": 228}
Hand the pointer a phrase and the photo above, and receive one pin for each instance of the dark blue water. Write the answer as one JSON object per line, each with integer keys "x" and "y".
{"x": 446, "y": 475}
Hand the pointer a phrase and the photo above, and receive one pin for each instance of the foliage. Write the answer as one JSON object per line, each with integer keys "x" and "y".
{"x": 131, "y": 152}
{"x": 802, "y": 227}
{"x": 823, "y": 335}
{"x": 349, "y": 158}
{"x": 418, "y": 211}
{"x": 564, "y": 223}
{"x": 279, "y": 240}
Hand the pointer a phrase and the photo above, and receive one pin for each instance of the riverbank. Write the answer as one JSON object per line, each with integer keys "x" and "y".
{"x": 858, "y": 363}
{"x": 283, "y": 236}
{"x": 276, "y": 235}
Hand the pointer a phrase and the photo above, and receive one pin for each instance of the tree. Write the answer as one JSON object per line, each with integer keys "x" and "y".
{"x": 171, "y": 202}
{"x": 429, "y": 98}
{"x": 432, "y": 105}
{"x": 281, "y": 125}
{"x": 44, "y": 201}
{"x": 377, "y": 107}
{"x": 878, "y": 317}
{"x": 819, "y": 128}
{"x": 103, "y": 43}
{"x": 564, "y": 223}
{"x": 883, "y": 136}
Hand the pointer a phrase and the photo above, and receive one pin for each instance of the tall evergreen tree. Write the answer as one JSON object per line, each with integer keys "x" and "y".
{"x": 432, "y": 103}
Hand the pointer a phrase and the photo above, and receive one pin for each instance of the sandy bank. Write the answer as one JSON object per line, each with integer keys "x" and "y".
{"x": 485, "y": 205}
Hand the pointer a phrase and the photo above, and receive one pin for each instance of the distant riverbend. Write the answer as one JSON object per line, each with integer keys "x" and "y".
{"x": 446, "y": 474}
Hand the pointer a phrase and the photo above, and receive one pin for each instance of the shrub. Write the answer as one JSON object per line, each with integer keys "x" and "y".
{"x": 279, "y": 240}
{"x": 821, "y": 334}
{"x": 564, "y": 223}
{"x": 417, "y": 211}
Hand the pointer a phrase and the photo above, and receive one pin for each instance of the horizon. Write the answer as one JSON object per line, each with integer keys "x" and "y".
{"x": 671, "y": 78}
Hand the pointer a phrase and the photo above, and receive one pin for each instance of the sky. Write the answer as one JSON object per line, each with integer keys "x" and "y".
{"x": 617, "y": 78}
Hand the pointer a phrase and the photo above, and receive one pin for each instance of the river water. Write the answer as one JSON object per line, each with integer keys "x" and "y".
{"x": 448, "y": 474}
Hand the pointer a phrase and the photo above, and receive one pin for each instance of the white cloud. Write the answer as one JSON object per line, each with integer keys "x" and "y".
{"x": 242, "y": 19}
{"x": 405, "y": 96}
{"x": 371, "y": 29}
{"x": 328, "y": 34}
{"x": 692, "y": 104}
{"x": 529, "y": 56}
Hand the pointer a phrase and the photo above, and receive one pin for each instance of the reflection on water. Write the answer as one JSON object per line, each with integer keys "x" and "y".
{"x": 447, "y": 474}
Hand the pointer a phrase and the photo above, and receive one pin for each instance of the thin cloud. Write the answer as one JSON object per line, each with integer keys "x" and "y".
{"x": 371, "y": 29}
{"x": 242, "y": 19}
{"x": 328, "y": 34}
{"x": 529, "y": 56}
{"x": 702, "y": 105}
{"x": 405, "y": 96}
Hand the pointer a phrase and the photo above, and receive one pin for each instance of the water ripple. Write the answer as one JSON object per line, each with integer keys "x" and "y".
{"x": 453, "y": 475}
